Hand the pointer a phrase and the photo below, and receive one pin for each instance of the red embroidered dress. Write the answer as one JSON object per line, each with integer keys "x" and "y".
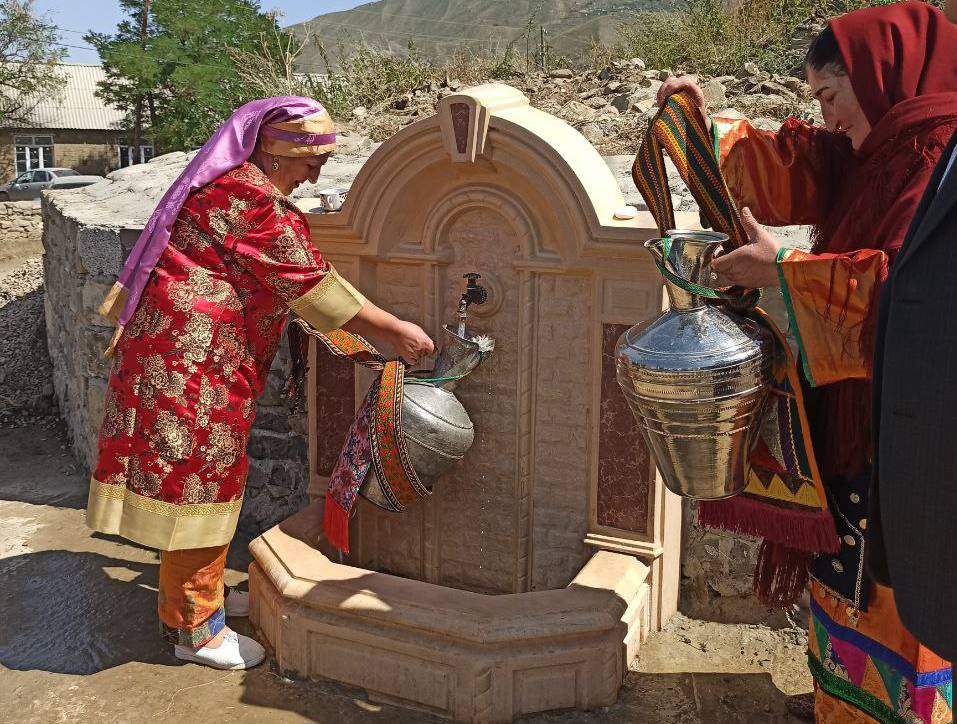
{"x": 194, "y": 358}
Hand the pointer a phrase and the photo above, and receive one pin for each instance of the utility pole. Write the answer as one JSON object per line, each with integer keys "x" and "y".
{"x": 138, "y": 117}
{"x": 542, "y": 47}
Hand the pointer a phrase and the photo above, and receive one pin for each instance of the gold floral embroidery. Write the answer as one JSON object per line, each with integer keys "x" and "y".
{"x": 247, "y": 408}
{"x": 186, "y": 235}
{"x": 211, "y": 397}
{"x": 222, "y": 446}
{"x": 144, "y": 482}
{"x": 286, "y": 289}
{"x": 230, "y": 221}
{"x": 196, "y": 491}
{"x": 116, "y": 418}
{"x": 195, "y": 339}
{"x": 231, "y": 349}
{"x": 288, "y": 248}
{"x": 251, "y": 174}
{"x": 203, "y": 285}
{"x": 171, "y": 436}
{"x": 148, "y": 320}
{"x": 266, "y": 322}
{"x": 171, "y": 384}
{"x": 118, "y": 478}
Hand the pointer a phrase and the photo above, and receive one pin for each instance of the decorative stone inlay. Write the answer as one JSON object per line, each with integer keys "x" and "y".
{"x": 460, "y": 124}
{"x": 625, "y": 471}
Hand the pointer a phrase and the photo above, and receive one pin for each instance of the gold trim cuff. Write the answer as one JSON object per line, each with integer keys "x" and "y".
{"x": 116, "y": 510}
{"x": 329, "y": 304}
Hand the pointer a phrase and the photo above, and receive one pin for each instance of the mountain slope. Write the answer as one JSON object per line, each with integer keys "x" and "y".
{"x": 439, "y": 27}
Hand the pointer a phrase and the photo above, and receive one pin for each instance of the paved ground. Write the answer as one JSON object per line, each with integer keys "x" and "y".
{"x": 78, "y": 639}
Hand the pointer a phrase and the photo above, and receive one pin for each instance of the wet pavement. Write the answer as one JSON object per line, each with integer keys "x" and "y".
{"x": 79, "y": 640}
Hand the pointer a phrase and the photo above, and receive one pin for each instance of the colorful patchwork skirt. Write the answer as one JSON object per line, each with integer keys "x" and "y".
{"x": 868, "y": 660}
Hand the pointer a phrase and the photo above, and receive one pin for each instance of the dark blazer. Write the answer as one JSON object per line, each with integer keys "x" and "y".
{"x": 912, "y": 522}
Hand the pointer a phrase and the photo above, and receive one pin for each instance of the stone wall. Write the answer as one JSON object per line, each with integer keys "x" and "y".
{"x": 21, "y": 222}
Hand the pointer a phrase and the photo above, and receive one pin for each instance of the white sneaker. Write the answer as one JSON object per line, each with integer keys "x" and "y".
{"x": 237, "y": 603}
{"x": 235, "y": 652}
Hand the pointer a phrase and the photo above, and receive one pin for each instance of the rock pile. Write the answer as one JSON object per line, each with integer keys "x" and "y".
{"x": 610, "y": 106}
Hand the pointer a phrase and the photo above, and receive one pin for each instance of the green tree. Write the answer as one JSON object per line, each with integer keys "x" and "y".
{"x": 169, "y": 64}
{"x": 28, "y": 60}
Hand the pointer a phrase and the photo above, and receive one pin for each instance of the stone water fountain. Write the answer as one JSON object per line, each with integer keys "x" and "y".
{"x": 528, "y": 580}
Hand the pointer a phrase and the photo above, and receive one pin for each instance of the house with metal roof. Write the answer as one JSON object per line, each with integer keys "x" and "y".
{"x": 72, "y": 129}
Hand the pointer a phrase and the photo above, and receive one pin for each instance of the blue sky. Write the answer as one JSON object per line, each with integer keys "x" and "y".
{"x": 76, "y": 17}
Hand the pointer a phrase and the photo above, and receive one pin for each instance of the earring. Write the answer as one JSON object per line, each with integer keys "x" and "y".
{"x": 275, "y": 165}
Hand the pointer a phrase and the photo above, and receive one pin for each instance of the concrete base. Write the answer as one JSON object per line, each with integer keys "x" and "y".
{"x": 458, "y": 654}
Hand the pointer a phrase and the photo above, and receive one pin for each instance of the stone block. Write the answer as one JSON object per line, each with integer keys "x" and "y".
{"x": 94, "y": 291}
{"x": 99, "y": 250}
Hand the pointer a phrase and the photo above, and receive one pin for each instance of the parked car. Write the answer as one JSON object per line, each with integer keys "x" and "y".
{"x": 29, "y": 184}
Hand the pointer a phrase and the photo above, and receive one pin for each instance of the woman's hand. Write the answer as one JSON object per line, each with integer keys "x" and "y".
{"x": 754, "y": 265}
{"x": 407, "y": 339}
{"x": 688, "y": 83}
{"x": 411, "y": 342}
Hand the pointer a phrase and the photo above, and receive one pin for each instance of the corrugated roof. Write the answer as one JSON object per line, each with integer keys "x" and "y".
{"x": 76, "y": 105}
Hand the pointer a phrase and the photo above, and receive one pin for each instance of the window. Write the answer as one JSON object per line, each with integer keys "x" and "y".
{"x": 61, "y": 172}
{"x": 33, "y": 152}
{"x": 128, "y": 155}
{"x": 41, "y": 177}
{"x": 24, "y": 178}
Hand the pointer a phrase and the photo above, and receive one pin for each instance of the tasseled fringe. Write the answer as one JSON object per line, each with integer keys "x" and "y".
{"x": 335, "y": 524}
{"x": 806, "y": 530}
{"x": 781, "y": 574}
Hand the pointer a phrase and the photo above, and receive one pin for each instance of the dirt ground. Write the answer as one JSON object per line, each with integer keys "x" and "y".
{"x": 12, "y": 253}
{"x": 79, "y": 642}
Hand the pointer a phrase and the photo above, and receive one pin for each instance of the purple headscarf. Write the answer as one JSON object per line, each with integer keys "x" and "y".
{"x": 228, "y": 148}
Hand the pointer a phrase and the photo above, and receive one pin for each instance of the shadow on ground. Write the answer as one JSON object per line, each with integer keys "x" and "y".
{"x": 77, "y": 613}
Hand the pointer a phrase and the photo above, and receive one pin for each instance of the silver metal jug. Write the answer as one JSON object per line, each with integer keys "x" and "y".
{"x": 436, "y": 427}
{"x": 697, "y": 377}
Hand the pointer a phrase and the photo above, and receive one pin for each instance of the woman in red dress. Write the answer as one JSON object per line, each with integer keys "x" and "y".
{"x": 886, "y": 79}
{"x": 198, "y": 330}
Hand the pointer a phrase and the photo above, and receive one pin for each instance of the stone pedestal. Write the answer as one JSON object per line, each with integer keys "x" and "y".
{"x": 467, "y": 656}
{"x": 558, "y": 483}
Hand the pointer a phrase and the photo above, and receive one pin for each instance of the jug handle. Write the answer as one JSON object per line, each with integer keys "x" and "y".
{"x": 662, "y": 254}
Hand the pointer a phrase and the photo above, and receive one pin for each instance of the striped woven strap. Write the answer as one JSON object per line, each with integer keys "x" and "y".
{"x": 680, "y": 129}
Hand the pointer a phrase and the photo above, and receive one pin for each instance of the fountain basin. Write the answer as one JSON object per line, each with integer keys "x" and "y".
{"x": 466, "y": 656}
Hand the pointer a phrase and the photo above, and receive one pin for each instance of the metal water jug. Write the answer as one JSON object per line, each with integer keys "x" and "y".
{"x": 697, "y": 377}
{"x": 436, "y": 427}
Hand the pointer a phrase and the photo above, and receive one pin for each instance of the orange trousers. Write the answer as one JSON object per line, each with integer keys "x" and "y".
{"x": 191, "y": 594}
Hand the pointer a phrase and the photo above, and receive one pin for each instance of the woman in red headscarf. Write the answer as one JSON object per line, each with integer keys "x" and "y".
{"x": 886, "y": 79}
